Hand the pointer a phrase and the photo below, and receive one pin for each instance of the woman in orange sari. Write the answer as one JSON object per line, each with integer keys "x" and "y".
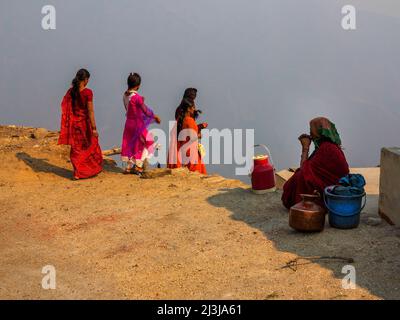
{"x": 173, "y": 159}
{"x": 78, "y": 128}
{"x": 188, "y": 139}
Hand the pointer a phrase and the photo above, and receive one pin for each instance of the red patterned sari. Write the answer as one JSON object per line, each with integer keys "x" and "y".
{"x": 76, "y": 131}
{"x": 323, "y": 168}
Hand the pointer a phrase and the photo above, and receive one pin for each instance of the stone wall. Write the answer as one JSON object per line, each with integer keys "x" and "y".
{"x": 389, "y": 197}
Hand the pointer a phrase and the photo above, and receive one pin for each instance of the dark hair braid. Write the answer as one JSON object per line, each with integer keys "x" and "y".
{"x": 81, "y": 75}
{"x": 184, "y": 106}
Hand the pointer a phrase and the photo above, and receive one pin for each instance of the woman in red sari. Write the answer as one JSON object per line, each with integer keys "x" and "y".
{"x": 189, "y": 152}
{"x": 78, "y": 128}
{"x": 326, "y": 165}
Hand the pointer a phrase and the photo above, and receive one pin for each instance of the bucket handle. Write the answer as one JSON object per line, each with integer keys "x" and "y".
{"x": 269, "y": 153}
{"x": 339, "y": 214}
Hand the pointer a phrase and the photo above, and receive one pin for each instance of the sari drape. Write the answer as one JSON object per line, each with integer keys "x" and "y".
{"x": 136, "y": 137}
{"x": 192, "y": 158}
{"x": 323, "y": 168}
{"x": 76, "y": 131}
{"x": 174, "y": 160}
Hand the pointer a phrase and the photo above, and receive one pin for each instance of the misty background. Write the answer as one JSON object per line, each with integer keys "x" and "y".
{"x": 271, "y": 65}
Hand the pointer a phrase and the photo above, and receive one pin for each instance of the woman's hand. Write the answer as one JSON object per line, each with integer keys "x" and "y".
{"x": 305, "y": 141}
{"x": 204, "y": 125}
{"x": 157, "y": 119}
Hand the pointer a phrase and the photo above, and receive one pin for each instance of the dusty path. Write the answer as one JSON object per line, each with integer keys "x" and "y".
{"x": 173, "y": 236}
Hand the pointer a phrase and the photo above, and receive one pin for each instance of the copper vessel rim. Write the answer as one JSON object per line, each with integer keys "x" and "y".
{"x": 313, "y": 196}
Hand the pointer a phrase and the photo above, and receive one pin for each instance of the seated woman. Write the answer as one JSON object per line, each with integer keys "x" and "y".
{"x": 326, "y": 165}
{"x": 189, "y": 153}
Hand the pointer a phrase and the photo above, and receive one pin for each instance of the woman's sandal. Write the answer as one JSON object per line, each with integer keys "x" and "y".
{"x": 138, "y": 171}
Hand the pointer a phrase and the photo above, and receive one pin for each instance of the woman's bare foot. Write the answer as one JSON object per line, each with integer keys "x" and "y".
{"x": 127, "y": 171}
{"x": 129, "y": 168}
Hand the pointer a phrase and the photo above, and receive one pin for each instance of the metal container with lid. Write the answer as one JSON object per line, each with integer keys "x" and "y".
{"x": 307, "y": 215}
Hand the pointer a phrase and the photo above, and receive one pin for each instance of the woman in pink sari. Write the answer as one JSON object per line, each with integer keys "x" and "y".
{"x": 137, "y": 143}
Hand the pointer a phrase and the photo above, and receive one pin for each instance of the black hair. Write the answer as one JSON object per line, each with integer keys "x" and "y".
{"x": 183, "y": 107}
{"x": 134, "y": 80}
{"x": 81, "y": 75}
{"x": 190, "y": 93}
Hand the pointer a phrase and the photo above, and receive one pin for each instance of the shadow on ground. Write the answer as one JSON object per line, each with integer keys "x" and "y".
{"x": 43, "y": 165}
{"x": 374, "y": 248}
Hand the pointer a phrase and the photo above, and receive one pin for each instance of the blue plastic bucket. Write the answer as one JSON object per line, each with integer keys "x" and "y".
{"x": 344, "y": 211}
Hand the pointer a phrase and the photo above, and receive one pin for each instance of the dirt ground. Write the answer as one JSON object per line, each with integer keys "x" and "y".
{"x": 174, "y": 235}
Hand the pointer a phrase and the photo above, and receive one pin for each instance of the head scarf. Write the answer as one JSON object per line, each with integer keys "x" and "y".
{"x": 326, "y": 131}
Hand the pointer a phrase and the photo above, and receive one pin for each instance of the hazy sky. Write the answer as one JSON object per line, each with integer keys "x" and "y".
{"x": 269, "y": 65}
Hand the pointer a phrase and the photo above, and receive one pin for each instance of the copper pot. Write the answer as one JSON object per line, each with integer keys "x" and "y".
{"x": 307, "y": 216}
